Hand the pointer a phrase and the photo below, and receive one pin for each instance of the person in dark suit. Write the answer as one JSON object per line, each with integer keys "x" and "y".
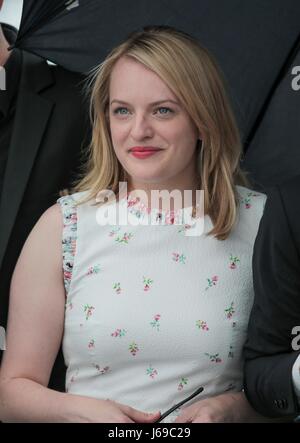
{"x": 272, "y": 361}
{"x": 44, "y": 130}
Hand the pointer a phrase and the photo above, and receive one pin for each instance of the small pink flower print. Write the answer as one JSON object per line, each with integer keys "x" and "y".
{"x": 152, "y": 372}
{"x": 247, "y": 200}
{"x": 118, "y": 333}
{"x": 212, "y": 281}
{"x": 71, "y": 219}
{"x": 117, "y": 288}
{"x": 155, "y": 323}
{"x": 114, "y": 231}
{"x": 202, "y": 325}
{"x": 183, "y": 382}
{"x": 74, "y": 218}
{"x": 179, "y": 258}
{"x": 230, "y": 311}
{"x": 67, "y": 275}
{"x": 170, "y": 217}
{"x": 88, "y": 311}
{"x": 147, "y": 283}
{"x": 184, "y": 228}
{"x": 233, "y": 261}
{"x": 103, "y": 370}
{"x": 175, "y": 256}
{"x": 125, "y": 238}
{"x": 133, "y": 348}
{"x": 91, "y": 344}
{"x": 214, "y": 358}
{"x": 132, "y": 202}
{"x": 93, "y": 270}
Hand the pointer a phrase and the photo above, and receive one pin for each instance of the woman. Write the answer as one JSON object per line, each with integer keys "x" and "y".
{"x": 146, "y": 313}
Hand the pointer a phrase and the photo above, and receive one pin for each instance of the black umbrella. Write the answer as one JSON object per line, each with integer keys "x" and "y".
{"x": 273, "y": 155}
{"x": 251, "y": 40}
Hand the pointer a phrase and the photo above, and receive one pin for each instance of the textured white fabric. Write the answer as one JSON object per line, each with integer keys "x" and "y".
{"x": 296, "y": 377}
{"x": 151, "y": 313}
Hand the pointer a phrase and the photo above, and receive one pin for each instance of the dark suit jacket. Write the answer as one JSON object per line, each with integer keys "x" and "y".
{"x": 50, "y": 131}
{"x": 276, "y": 310}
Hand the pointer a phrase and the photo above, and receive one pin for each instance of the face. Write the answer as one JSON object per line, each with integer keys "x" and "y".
{"x": 144, "y": 112}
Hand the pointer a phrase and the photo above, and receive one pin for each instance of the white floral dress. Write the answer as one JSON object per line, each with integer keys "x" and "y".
{"x": 151, "y": 313}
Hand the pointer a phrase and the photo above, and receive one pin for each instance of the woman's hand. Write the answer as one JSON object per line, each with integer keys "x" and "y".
{"x": 89, "y": 410}
{"x": 225, "y": 408}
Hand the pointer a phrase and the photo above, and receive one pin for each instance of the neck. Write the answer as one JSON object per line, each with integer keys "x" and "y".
{"x": 4, "y": 53}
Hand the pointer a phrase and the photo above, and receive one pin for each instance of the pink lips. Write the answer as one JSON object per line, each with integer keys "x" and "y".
{"x": 143, "y": 152}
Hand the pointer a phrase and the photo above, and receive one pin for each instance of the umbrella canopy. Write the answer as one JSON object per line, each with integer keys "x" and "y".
{"x": 273, "y": 155}
{"x": 252, "y": 41}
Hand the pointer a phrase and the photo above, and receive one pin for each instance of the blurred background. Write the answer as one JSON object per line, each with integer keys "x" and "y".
{"x": 11, "y": 12}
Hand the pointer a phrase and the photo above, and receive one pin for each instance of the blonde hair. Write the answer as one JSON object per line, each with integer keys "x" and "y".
{"x": 191, "y": 73}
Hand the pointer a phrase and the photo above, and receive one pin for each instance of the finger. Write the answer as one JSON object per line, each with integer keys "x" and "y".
{"x": 148, "y": 417}
{"x": 201, "y": 420}
{"x": 140, "y": 416}
{"x": 126, "y": 419}
{"x": 182, "y": 419}
{"x": 204, "y": 418}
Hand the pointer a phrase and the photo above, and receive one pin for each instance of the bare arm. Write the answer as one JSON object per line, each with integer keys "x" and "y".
{"x": 34, "y": 334}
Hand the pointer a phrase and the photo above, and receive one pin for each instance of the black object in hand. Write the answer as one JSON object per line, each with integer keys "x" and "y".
{"x": 169, "y": 411}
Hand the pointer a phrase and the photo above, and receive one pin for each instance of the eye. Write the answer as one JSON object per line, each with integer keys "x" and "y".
{"x": 120, "y": 111}
{"x": 164, "y": 111}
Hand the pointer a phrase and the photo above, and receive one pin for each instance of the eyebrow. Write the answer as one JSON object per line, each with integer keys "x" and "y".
{"x": 151, "y": 104}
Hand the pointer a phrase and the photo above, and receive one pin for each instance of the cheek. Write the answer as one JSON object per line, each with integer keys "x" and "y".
{"x": 184, "y": 139}
{"x": 118, "y": 134}
{"x": 182, "y": 129}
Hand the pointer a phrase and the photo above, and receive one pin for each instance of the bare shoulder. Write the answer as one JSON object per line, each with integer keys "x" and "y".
{"x": 50, "y": 223}
{"x": 43, "y": 244}
{"x": 51, "y": 220}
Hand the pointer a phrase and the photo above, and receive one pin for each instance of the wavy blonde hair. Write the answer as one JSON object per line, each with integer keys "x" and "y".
{"x": 190, "y": 71}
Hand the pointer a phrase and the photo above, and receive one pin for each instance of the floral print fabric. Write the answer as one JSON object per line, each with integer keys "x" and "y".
{"x": 151, "y": 314}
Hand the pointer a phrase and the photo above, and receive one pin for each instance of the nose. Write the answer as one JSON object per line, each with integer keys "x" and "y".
{"x": 141, "y": 127}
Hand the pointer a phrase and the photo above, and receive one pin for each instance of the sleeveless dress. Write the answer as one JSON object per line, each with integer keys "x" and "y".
{"x": 152, "y": 313}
